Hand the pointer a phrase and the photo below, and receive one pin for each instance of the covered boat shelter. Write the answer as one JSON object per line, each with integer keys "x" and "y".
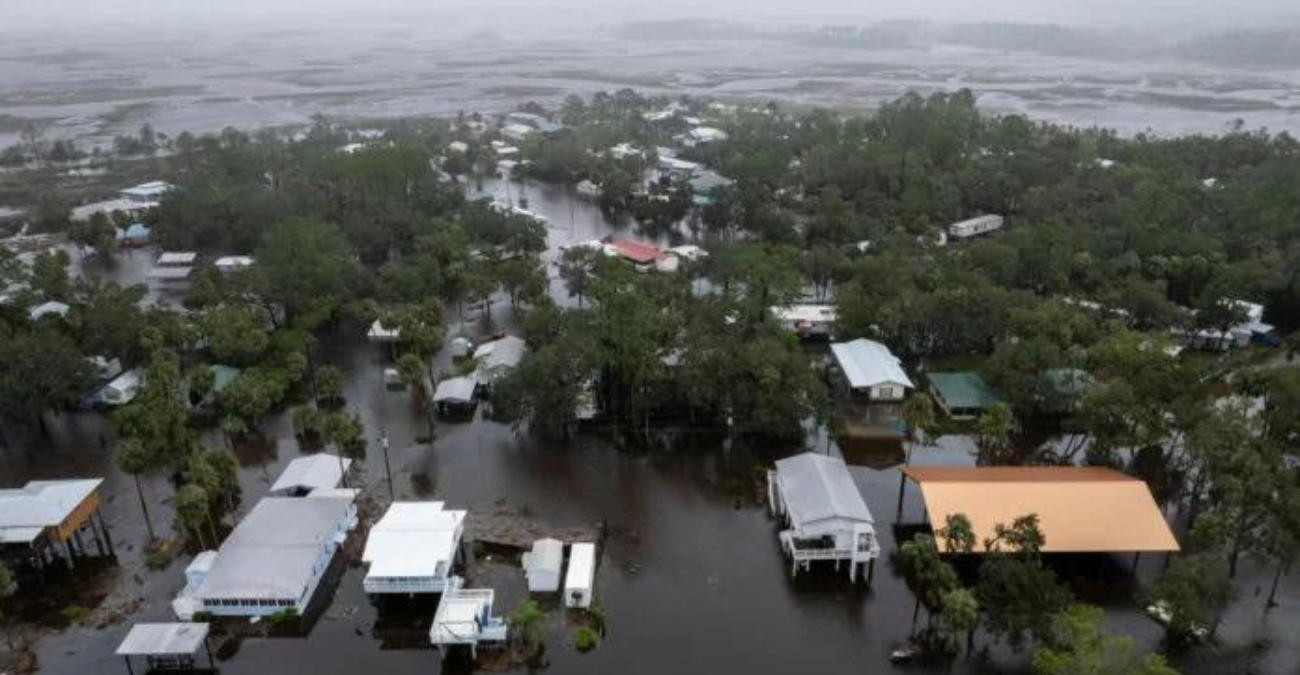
{"x": 166, "y": 647}
{"x": 1080, "y": 509}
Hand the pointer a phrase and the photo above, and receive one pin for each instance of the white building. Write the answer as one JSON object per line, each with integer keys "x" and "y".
{"x": 868, "y": 368}
{"x": 498, "y": 357}
{"x": 579, "y": 582}
{"x": 172, "y": 270}
{"x": 455, "y": 393}
{"x": 464, "y": 618}
{"x": 233, "y": 263}
{"x": 147, "y": 194}
{"x": 305, "y": 475}
{"x": 413, "y": 548}
{"x": 807, "y": 320}
{"x": 275, "y": 558}
{"x": 542, "y": 565}
{"x": 380, "y": 333}
{"x": 703, "y": 136}
{"x": 122, "y": 389}
{"x": 824, "y": 512}
{"x": 975, "y": 227}
{"x": 517, "y": 133}
{"x": 51, "y": 308}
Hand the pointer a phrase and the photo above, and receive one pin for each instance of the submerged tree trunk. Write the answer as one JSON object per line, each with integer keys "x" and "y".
{"x": 1277, "y": 579}
{"x": 144, "y": 507}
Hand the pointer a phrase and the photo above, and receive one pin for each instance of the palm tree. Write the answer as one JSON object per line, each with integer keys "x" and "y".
{"x": 134, "y": 459}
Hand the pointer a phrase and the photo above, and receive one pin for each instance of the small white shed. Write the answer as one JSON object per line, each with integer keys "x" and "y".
{"x": 579, "y": 582}
{"x": 542, "y": 565}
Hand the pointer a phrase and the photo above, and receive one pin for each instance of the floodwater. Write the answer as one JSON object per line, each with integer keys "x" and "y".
{"x": 691, "y": 577}
{"x": 112, "y": 83}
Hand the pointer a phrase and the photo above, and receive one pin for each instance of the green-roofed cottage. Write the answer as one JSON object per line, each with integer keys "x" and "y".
{"x": 963, "y": 395}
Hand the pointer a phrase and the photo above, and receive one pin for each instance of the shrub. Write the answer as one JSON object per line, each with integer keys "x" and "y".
{"x": 585, "y": 639}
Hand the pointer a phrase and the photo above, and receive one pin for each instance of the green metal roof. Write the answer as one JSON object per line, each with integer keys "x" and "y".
{"x": 963, "y": 390}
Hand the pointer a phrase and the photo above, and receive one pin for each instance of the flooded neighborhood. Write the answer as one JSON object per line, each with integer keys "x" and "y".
{"x": 745, "y": 349}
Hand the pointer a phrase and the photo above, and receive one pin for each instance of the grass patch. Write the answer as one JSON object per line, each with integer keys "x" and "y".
{"x": 74, "y": 613}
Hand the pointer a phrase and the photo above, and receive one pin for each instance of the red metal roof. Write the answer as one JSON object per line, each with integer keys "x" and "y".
{"x": 635, "y": 251}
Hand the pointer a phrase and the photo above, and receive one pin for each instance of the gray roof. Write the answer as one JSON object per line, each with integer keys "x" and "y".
{"x": 867, "y": 363}
{"x": 817, "y": 487}
{"x": 163, "y": 639}
{"x": 500, "y": 354}
{"x": 311, "y": 473}
{"x": 272, "y": 552}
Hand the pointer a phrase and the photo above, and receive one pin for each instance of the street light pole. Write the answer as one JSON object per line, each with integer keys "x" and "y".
{"x": 388, "y": 469}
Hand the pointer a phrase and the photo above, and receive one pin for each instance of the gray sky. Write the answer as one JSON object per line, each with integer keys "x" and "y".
{"x": 1184, "y": 14}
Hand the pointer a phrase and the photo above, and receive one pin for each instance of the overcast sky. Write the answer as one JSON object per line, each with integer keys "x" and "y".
{"x": 82, "y": 14}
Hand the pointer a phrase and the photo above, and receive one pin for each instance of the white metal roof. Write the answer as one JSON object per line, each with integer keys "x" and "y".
{"x": 177, "y": 258}
{"x": 547, "y": 555}
{"x": 498, "y": 354}
{"x": 169, "y": 273}
{"x": 381, "y": 333}
{"x": 811, "y": 313}
{"x": 273, "y": 552}
{"x": 867, "y": 363}
{"x": 163, "y": 639}
{"x": 582, "y": 567}
{"x": 312, "y": 472}
{"x": 25, "y": 512}
{"x": 233, "y": 261}
{"x": 455, "y": 390}
{"x": 818, "y": 487}
{"x": 46, "y": 308}
{"x": 413, "y": 539}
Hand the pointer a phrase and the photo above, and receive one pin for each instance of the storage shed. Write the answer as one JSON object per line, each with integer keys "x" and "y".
{"x": 579, "y": 583}
{"x": 542, "y": 565}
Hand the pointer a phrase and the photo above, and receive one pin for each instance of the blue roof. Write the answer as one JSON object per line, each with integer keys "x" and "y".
{"x": 134, "y": 231}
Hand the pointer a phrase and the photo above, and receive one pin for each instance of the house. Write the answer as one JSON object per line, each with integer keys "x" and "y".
{"x": 824, "y": 513}
{"x": 458, "y": 147}
{"x": 305, "y": 475}
{"x": 532, "y": 121}
{"x": 542, "y": 565}
{"x": 1080, "y": 509}
{"x": 643, "y": 256}
{"x": 232, "y": 263}
{"x": 456, "y": 393}
{"x": 464, "y": 618}
{"x": 705, "y": 185}
{"x": 867, "y": 368}
{"x": 588, "y": 190}
{"x": 703, "y": 136}
{"x": 517, "y": 133}
{"x": 413, "y": 548}
{"x": 380, "y": 333}
{"x": 807, "y": 320}
{"x": 670, "y": 165}
{"x": 122, "y": 389}
{"x": 275, "y": 558}
{"x": 975, "y": 227}
{"x": 41, "y": 516}
{"x": 133, "y": 236}
{"x": 147, "y": 194}
{"x": 172, "y": 270}
{"x": 1251, "y": 328}
{"x": 962, "y": 395}
{"x": 624, "y": 150}
{"x": 498, "y": 357}
{"x": 51, "y": 308}
{"x": 579, "y": 582}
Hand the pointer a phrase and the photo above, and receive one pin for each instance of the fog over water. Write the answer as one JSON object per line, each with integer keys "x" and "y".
{"x": 90, "y": 70}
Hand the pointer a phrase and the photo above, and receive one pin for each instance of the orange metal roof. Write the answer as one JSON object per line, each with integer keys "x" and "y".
{"x": 1079, "y": 509}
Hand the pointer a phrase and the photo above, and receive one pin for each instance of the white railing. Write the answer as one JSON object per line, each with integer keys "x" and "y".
{"x": 382, "y": 585}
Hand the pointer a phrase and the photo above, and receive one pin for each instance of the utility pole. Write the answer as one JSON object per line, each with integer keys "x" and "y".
{"x": 388, "y": 469}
